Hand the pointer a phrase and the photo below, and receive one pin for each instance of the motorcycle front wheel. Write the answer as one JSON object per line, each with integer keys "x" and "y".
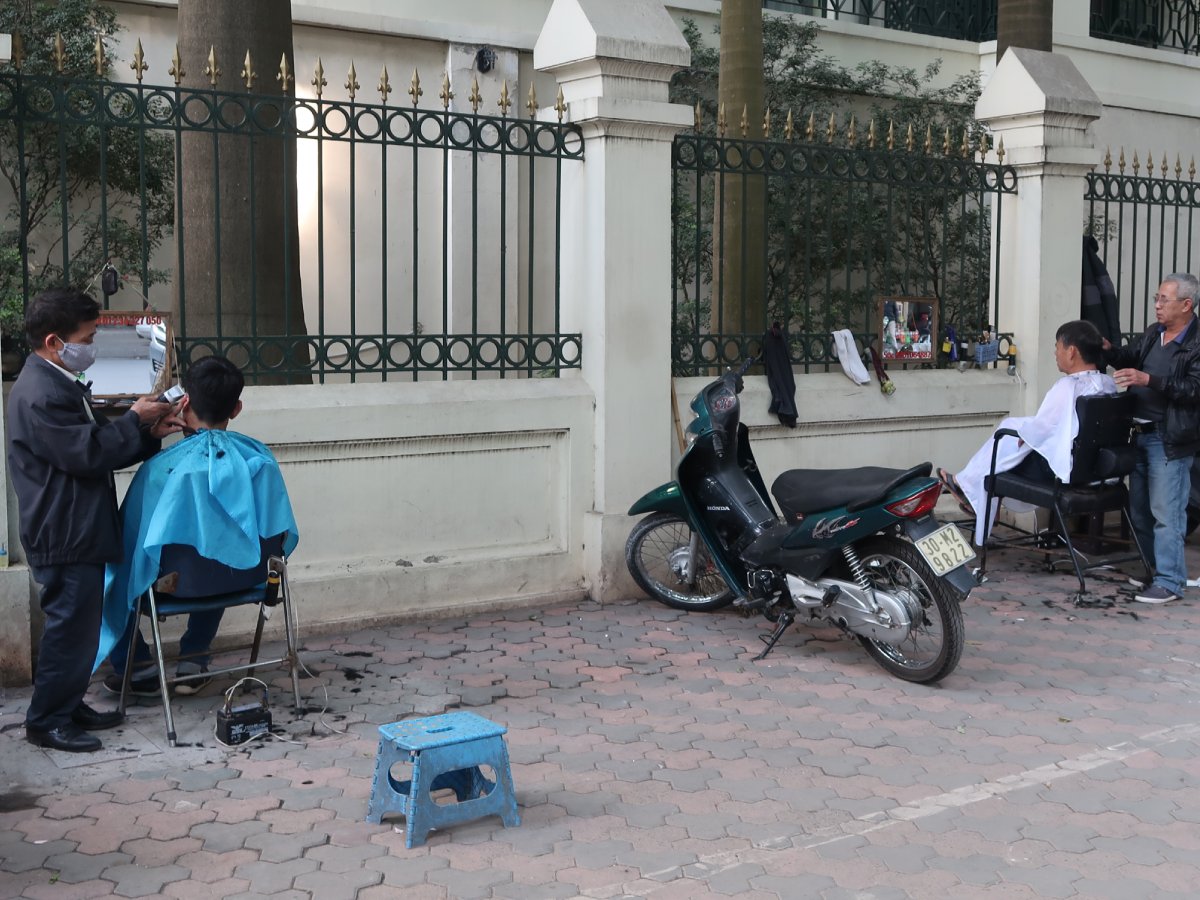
{"x": 658, "y": 552}
{"x": 935, "y": 643}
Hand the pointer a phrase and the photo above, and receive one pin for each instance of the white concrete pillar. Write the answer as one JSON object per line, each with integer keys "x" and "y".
{"x": 1042, "y": 109}
{"x": 613, "y": 60}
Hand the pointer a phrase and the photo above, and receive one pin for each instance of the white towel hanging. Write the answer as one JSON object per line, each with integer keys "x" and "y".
{"x": 847, "y": 354}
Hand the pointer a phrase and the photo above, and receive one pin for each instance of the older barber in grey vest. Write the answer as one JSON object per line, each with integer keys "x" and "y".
{"x": 1162, "y": 371}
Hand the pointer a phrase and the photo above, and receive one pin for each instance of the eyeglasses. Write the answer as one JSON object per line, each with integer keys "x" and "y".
{"x": 1160, "y": 299}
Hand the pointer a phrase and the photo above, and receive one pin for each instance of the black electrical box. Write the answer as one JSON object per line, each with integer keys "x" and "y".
{"x": 239, "y": 724}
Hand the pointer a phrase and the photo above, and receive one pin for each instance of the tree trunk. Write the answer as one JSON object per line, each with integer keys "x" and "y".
{"x": 239, "y": 275}
{"x": 739, "y": 276}
{"x": 1024, "y": 23}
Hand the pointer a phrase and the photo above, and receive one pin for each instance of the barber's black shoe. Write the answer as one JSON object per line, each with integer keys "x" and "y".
{"x": 94, "y": 720}
{"x": 70, "y": 738}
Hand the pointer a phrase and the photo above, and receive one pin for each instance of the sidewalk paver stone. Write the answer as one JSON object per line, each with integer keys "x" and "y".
{"x": 76, "y": 868}
{"x": 271, "y": 877}
{"x": 142, "y": 881}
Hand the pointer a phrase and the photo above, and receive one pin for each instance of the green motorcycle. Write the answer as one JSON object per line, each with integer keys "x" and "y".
{"x": 858, "y": 548}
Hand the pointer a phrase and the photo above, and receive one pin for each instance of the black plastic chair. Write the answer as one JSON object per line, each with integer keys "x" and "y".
{"x": 191, "y": 583}
{"x": 1102, "y": 454}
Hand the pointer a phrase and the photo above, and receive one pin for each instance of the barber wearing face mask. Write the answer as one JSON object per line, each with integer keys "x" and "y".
{"x": 62, "y": 458}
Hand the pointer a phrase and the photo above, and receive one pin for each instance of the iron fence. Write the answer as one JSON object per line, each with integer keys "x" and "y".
{"x": 1170, "y": 24}
{"x": 428, "y": 238}
{"x": 1146, "y": 226}
{"x": 813, "y": 236}
{"x": 968, "y": 20}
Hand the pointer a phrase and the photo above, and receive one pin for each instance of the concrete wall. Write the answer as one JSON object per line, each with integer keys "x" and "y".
{"x": 412, "y": 499}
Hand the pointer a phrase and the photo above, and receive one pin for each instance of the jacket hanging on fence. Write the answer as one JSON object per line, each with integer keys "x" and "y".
{"x": 1099, "y": 301}
{"x": 778, "y": 365}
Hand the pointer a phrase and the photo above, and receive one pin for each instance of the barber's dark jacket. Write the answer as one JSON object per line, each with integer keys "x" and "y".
{"x": 1181, "y": 425}
{"x": 61, "y": 461}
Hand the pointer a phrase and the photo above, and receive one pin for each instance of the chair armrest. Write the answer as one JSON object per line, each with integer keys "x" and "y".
{"x": 1000, "y": 432}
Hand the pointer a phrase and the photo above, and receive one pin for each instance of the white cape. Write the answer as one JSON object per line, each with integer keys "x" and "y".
{"x": 1050, "y": 432}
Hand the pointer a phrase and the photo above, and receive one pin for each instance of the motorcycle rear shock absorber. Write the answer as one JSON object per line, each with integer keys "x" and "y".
{"x": 857, "y": 569}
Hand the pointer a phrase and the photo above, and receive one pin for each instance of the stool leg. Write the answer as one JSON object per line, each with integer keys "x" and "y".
{"x": 376, "y": 803}
{"x": 509, "y": 816}
{"x": 417, "y": 821}
{"x": 387, "y": 794}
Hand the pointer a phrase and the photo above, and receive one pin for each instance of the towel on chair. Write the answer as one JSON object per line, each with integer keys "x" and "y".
{"x": 847, "y": 354}
{"x": 217, "y": 491}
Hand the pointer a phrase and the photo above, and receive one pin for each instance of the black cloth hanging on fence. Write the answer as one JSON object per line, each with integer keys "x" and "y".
{"x": 1099, "y": 300}
{"x": 778, "y": 366}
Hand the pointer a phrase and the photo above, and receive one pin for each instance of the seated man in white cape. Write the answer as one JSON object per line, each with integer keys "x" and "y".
{"x": 217, "y": 491}
{"x": 1043, "y": 451}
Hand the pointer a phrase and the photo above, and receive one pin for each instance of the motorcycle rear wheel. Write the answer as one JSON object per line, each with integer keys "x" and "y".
{"x": 935, "y": 644}
{"x": 655, "y": 551}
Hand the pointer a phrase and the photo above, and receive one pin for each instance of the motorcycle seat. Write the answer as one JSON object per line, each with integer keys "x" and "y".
{"x": 804, "y": 491}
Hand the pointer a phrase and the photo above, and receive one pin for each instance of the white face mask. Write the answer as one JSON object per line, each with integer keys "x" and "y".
{"x": 77, "y": 357}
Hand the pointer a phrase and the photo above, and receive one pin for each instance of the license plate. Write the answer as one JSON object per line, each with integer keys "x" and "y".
{"x": 945, "y": 549}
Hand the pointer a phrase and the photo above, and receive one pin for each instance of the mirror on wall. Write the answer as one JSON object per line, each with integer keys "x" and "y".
{"x": 908, "y": 328}
{"x": 133, "y": 356}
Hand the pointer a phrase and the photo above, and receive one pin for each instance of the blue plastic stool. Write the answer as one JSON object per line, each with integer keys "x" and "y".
{"x": 446, "y": 751}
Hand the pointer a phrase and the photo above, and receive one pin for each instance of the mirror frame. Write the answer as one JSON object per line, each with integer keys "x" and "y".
{"x": 109, "y": 317}
{"x": 932, "y": 303}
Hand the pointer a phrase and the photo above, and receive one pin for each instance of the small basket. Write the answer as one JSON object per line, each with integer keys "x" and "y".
{"x": 986, "y": 352}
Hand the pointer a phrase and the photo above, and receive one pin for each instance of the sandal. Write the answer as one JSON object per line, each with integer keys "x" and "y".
{"x": 951, "y": 487}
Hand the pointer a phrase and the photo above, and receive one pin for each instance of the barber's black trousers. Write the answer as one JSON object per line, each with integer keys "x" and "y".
{"x": 72, "y": 600}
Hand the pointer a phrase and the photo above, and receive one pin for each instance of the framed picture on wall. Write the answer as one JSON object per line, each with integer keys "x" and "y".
{"x": 908, "y": 328}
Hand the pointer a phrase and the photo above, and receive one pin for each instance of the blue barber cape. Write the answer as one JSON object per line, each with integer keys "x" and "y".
{"x": 217, "y": 491}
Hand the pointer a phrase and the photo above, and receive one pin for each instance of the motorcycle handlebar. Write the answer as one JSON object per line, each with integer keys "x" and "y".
{"x": 737, "y": 376}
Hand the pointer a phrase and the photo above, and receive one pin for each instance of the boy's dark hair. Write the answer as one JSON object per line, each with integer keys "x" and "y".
{"x": 214, "y": 386}
{"x": 1084, "y": 337}
{"x": 61, "y": 311}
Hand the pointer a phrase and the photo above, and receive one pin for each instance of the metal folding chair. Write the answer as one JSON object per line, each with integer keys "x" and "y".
{"x": 191, "y": 583}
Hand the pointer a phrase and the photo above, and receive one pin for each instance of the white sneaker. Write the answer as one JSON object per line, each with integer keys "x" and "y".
{"x": 1156, "y": 593}
{"x": 199, "y": 680}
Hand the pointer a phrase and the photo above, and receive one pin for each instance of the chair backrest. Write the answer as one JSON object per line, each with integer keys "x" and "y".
{"x": 203, "y": 577}
{"x": 1104, "y": 447}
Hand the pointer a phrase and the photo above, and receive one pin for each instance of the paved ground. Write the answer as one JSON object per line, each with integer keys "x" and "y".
{"x": 653, "y": 758}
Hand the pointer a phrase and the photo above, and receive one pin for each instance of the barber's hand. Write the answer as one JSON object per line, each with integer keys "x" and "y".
{"x": 166, "y": 425}
{"x": 161, "y": 417}
{"x": 1127, "y": 378}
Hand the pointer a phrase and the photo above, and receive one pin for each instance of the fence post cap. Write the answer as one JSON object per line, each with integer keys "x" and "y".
{"x": 634, "y": 30}
{"x": 1030, "y": 82}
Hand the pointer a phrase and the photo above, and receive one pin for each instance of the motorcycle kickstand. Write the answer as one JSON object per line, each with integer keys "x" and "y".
{"x": 785, "y": 620}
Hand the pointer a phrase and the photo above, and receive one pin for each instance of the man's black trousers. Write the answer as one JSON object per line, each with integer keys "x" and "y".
{"x": 72, "y": 600}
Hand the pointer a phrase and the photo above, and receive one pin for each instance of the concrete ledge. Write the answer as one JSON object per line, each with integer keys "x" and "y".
{"x": 16, "y": 639}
